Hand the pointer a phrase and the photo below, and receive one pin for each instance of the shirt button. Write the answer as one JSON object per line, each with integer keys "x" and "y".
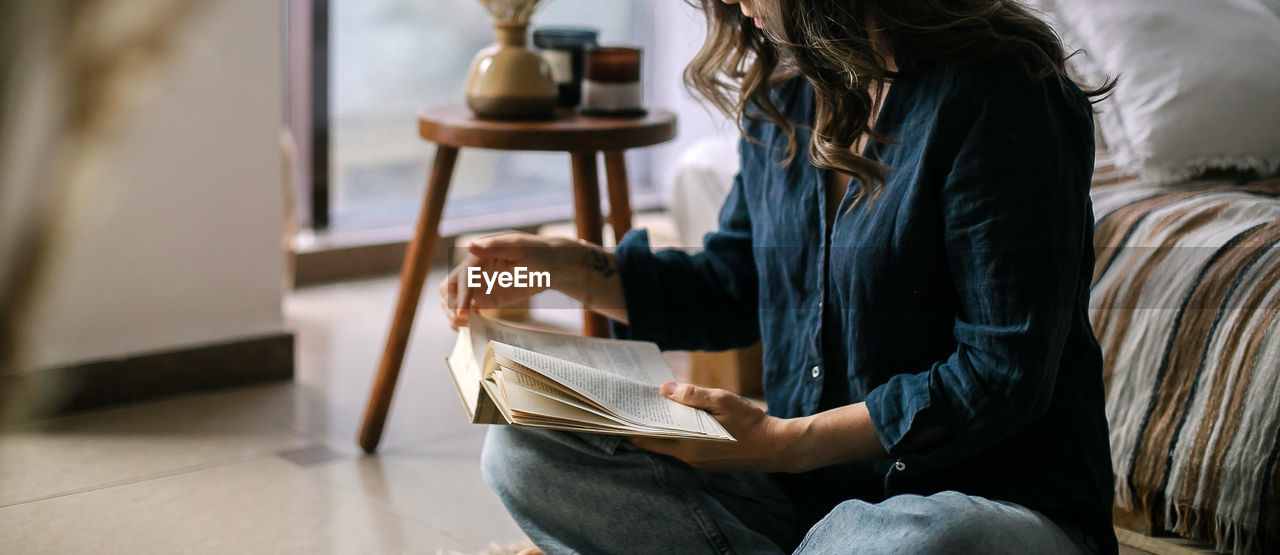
{"x": 815, "y": 372}
{"x": 899, "y": 466}
{"x": 819, "y": 305}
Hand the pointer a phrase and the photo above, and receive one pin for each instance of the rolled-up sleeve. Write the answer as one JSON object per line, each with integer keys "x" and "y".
{"x": 703, "y": 300}
{"x": 1016, "y": 223}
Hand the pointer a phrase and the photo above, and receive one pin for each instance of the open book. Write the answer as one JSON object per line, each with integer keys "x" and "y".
{"x": 509, "y": 375}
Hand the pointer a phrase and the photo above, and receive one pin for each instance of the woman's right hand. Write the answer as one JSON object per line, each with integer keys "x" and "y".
{"x": 503, "y": 253}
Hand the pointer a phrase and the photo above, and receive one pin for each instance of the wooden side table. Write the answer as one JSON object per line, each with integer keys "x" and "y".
{"x": 453, "y": 127}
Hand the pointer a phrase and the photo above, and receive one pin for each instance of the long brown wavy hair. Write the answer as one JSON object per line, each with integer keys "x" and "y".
{"x": 828, "y": 42}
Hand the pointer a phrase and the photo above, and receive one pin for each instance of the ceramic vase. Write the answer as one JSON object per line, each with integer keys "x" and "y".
{"x": 509, "y": 81}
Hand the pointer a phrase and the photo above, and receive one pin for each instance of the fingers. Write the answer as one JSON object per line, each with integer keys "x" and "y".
{"x": 448, "y": 314}
{"x": 455, "y": 316}
{"x": 494, "y": 253}
{"x": 444, "y": 287}
{"x": 450, "y": 284}
{"x": 507, "y": 246}
{"x": 465, "y": 300}
{"x": 705, "y": 398}
{"x": 455, "y": 299}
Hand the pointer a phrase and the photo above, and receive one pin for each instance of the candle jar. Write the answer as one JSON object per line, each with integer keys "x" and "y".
{"x": 564, "y": 50}
{"x": 612, "y": 82}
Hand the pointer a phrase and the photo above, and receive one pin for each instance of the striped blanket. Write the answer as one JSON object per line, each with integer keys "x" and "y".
{"x": 1186, "y": 306}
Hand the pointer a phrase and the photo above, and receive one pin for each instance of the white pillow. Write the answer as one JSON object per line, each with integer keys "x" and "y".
{"x": 704, "y": 176}
{"x": 1199, "y": 81}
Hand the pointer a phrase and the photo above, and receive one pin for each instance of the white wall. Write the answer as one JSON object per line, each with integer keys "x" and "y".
{"x": 180, "y": 241}
{"x": 678, "y": 32}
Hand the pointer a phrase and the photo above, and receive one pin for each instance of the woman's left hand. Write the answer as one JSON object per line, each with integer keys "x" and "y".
{"x": 765, "y": 443}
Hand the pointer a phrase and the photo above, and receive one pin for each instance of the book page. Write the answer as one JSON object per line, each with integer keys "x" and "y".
{"x": 511, "y": 376}
{"x": 515, "y": 381}
{"x": 466, "y": 371}
{"x": 637, "y": 360}
{"x": 524, "y": 400}
{"x": 621, "y": 376}
{"x": 631, "y": 400}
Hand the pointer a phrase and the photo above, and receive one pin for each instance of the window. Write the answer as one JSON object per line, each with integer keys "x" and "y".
{"x": 390, "y": 58}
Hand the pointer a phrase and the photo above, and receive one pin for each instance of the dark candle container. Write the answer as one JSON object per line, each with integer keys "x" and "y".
{"x": 611, "y": 85}
{"x": 564, "y": 49}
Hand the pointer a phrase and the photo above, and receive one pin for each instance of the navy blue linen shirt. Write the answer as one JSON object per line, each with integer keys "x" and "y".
{"x": 956, "y": 299}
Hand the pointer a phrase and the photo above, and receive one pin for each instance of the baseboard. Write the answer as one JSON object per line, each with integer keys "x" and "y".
{"x": 1138, "y": 543}
{"x": 329, "y": 265}
{"x": 102, "y": 383}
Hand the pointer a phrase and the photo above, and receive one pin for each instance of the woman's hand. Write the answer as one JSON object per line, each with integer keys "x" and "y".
{"x": 503, "y": 253}
{"x": 765, "y": 443}
{"x": 579, "y": 269}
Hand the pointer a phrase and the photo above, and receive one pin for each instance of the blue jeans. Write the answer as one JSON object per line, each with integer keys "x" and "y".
{"x": 587, "y": 493}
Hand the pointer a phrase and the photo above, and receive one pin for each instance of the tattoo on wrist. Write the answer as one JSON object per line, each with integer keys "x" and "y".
{"x": 601, "y": 264}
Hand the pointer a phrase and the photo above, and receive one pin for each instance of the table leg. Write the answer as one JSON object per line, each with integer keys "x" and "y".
{"x": 615, "y": 171}
{"x": 586, "y": 207}
{"x": 417, "y": 259}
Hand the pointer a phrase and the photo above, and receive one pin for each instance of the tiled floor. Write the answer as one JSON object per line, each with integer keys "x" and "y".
{"x": 276, "y": 468}
{"x": 272, "y": 468}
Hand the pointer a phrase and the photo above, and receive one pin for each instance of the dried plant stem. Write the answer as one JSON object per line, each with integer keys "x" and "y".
{"x": 511, "y": 11}
{"x": 104, "y": 73}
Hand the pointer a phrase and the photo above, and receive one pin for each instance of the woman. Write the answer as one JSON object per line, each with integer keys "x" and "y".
{"x": 910, "y": 236}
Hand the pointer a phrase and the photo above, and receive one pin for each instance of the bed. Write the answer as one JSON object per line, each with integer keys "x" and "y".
{"x": 1184, "y": 303}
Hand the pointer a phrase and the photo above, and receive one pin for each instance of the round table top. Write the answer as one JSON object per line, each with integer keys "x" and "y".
{"x": 454, "y": 125}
